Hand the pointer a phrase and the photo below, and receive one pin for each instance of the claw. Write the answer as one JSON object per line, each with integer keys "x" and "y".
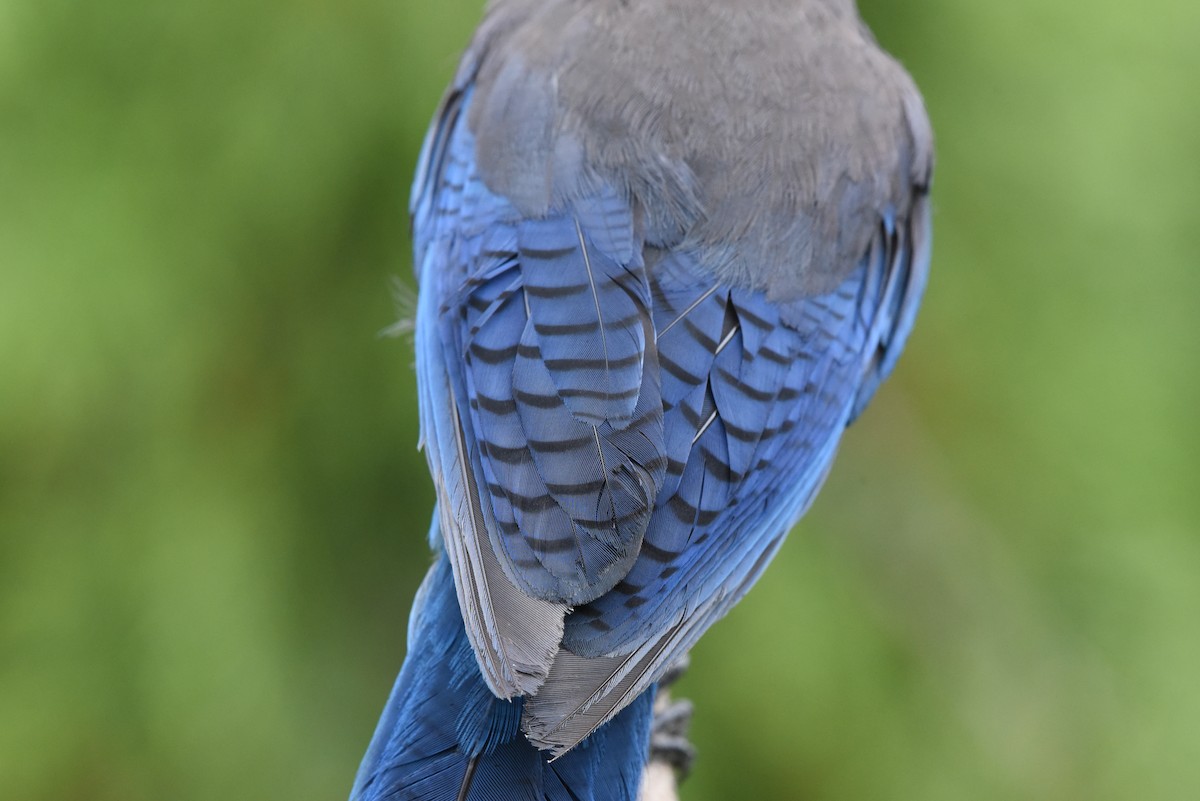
{"x": 668, "y": 738}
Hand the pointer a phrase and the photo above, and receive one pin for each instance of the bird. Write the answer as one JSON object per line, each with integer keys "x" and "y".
{"x": 667, "y": 251}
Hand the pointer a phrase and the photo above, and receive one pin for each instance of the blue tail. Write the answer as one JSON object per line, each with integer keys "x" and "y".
{"x": 444, "y": 736}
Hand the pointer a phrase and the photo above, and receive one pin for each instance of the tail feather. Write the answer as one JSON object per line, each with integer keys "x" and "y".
{"x": 444, "y": 737}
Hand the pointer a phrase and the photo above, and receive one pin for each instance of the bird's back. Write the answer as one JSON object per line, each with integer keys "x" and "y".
{"x": 770, "y": 134}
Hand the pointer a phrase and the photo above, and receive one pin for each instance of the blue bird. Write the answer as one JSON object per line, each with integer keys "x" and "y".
{"x": 667, "y": 251}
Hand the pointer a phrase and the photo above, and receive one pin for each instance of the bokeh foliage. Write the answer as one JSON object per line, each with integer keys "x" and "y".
{"x": 212, "y": 509}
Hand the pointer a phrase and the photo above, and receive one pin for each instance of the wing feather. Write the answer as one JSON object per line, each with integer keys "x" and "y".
{"x": 767, "y": 419}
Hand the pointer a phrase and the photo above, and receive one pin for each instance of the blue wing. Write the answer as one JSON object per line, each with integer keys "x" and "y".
{"x": 540, "y": 406}
{"x": 756, "y": 396}
{"x": 615, "y": 433}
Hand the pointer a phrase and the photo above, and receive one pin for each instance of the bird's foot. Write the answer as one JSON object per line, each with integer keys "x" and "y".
{"x": 668, "y": 737}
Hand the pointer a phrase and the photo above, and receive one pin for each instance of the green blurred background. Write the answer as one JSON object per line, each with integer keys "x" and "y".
{"x": 212, "y": 509}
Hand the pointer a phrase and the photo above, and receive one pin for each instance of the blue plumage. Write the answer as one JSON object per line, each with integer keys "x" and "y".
{"x": 442, "y": 723}
{"x": 645, "y": 321}
{"x": 586, "y": 310}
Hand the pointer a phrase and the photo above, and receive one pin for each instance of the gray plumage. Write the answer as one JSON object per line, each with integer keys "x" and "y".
{"x": 769, "y": 134}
